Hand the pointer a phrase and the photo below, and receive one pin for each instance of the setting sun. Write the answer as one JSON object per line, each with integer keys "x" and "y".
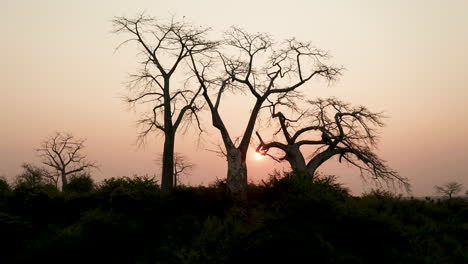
{"x": 258, "y": 156}
{"x": 216, "y": 132}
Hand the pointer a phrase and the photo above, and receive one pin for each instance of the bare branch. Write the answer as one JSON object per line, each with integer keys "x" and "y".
{"x": 347, "y": 131}
{"x": 449, "y": 189}
{"x": 164, "y": 47}
{"x": 62, "y": 153}
{"x": 253, "y": 64}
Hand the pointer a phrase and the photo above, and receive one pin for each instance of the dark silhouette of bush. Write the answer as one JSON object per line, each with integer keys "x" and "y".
{"x": 285, "y": 219}
{"x": 15, "y": 231}
{"x": 312, "y": 220}
{"x": 136, "y": 184}
{"x": 82, "y": 183}
{"x": 5, "y": 188}
{"x": 33, "y": 176}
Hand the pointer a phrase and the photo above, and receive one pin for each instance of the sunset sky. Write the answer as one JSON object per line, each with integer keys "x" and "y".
{"x": 59, "y": 72}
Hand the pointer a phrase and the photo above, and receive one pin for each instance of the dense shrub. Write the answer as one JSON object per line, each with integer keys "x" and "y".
{"x": 81, "y": 183}
{"x": 5, "y": 188}
{"x": 285, "y": 220}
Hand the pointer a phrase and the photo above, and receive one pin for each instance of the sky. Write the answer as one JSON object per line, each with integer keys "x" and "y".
{"x": 59, "y": 72}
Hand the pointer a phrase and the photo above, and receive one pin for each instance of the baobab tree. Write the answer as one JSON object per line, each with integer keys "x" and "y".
{"x": 449, "y": 189}
{"x": 253, "y": 64}
{"x": 333, "y": 128}
{"x": 63, "y": 154}
{"x": 163, "y": 45}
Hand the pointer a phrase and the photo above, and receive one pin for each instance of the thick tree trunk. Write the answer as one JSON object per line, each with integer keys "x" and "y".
{"x": 64, "y": 179}
{"x": 167, "y": 180}
{"x": 237, "y": 167}
{"x": 168, "y": 164}
{"x": 297, "y": 161}
{"x": 237, "y": 173}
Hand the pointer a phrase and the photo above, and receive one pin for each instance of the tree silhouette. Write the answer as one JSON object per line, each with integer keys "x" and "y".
{"x": 252, "y": 63}
{"x": 163, "y": 46}
{"x": 34, "y": 176}
{"x": 334, "y": 128}
{"x": 4, "y": 186}
{"x": 182, "y": 166}
{"x": 449, "y": 189}
{"x": 63, "y": 153}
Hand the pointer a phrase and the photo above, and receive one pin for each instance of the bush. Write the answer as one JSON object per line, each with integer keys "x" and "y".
{"x": 136, "y": 185}
{"x": 287, "y": 219}
{"x": 5, "y": 188}
{"x": 82, "y": 183}
{"x": 33, "y": 176}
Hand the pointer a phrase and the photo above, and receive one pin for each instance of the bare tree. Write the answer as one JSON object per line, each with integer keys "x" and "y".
{"x": 334, "y": 128}
{"x": 449, "y": 189}
{"x": 63, "y": 153}
{"x": 163, "y": 47}
{"x": 182, "y": 166}
{"x": 252, "y": 63}
{"x": 51, "y": 177}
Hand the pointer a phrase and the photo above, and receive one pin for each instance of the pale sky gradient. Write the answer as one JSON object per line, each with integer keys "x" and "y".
{"x": 59, "y": 72}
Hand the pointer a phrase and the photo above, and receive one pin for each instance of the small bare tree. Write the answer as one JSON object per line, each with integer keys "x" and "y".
{"x": 63, "y": 153}
{"x": 163, "y": 48}
{"x": 182, "y": 166}
{"x": 254, "y": 64}
{"x": 334, "y": 128}
{"x": 449, "y": 189}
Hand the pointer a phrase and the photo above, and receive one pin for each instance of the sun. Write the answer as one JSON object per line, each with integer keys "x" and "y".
{"x": 258, "y": 156}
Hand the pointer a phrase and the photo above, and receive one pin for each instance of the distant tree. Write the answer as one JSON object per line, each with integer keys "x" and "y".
{"x": 254, "y": 64}
{"x": 334, "y": 128}
{"x": 182, "y": 166}
{"x": 449, "y": 189}
{"x": 63, "y": 154}
{"x": 33, "y": 176}
{"x": 164, "y": 46}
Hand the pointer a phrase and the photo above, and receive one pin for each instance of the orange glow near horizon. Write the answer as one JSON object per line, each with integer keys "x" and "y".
{"x": 258, "y": 156}
{"x": 414, "y": 69}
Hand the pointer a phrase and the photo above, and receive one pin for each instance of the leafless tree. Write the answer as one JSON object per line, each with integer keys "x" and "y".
{"x": 449, "y": 189}
{"x": 163, "y": 48}
{"x": 334, "y": 128}
{"x": 51, "y": 177}
{"x": 63, "y": 153}
{"x": 182, "y": 166}
{"x": 253, "y": 64}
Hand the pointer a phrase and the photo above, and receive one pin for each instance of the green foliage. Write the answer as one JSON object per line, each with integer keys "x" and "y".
{"x": 381, "y": 194}
{"x": 82, "y": 183}
{"x": 286, "y": 219}
{"x": 5, "y": 188}
{"x": 33, "y": 176}
{"x": 295, "y": 189}
{"x": 137, "y": 184}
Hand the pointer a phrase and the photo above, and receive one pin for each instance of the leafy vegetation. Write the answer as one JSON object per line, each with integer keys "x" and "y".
{"x": 285, "y": 219}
